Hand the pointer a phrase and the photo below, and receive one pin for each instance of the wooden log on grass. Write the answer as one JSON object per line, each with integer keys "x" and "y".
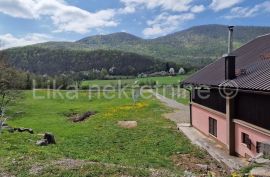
{"x": 83, "y": 117}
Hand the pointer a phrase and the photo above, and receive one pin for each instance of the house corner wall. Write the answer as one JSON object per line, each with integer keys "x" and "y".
{"x": 255, "y": 136}
{"x": 200, "y": 120}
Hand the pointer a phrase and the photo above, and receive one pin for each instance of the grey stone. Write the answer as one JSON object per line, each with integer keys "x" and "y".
{"x": 188, "y": 174}
{"x": 205, "y": 167}
{"x": 260, "y": 155}
{"x": 265, "y": 149}
{"x": 261, "y": 171}
{"x": 262, "y": 161}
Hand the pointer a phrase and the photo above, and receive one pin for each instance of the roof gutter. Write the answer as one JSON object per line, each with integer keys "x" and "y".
{"x": 201, "y": 86}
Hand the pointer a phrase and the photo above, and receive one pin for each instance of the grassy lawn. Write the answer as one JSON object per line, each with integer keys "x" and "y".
{"x": 166, "y": 80}
{"x": 167, "y": 86}
{"x": 98, "y": 145}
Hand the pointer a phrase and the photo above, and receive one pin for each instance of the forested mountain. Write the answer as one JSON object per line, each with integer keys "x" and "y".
{"x": 195, "y": 47}
{"x": 111, "y": 39}
{"x": 192, "y": 48}
{"x": 58, "y": 61}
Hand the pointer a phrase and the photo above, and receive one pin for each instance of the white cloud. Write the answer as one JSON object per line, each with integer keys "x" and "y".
{"x": 8, "y": 40}
{"x": 197, "y": 8}
{"x": 126, "y": 10}
{"x": 218, "y": 5}
{"x": 64, "y": 16}
{"x": 166, "y": 23}
{"x": 173, "y": 5}
{"x": 18, "y": 8}
{"x": 245, "y": 12}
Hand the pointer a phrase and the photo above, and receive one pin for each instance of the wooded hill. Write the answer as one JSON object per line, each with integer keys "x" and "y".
{"x": 130, "y": 55}
{"x": 193, "y": 47}
{"x": 40, "y": 60}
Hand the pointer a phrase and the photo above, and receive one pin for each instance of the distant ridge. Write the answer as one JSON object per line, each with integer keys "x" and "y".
{"x": 110, "y": 38}
{"x": 194, "y": 47}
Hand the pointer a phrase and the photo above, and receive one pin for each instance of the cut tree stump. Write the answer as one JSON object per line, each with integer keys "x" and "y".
{"x": 50, "y": 138}
{"x": 128, "y": 124}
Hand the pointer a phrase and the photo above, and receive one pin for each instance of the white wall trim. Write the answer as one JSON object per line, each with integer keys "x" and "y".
{"x": 253, "y": 127}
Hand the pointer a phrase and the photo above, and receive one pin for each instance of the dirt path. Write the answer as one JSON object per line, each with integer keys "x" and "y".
{"x": 181, "y": 112}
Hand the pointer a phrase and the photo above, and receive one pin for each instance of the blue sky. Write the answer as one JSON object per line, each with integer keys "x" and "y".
{"x": 32, "y": 21}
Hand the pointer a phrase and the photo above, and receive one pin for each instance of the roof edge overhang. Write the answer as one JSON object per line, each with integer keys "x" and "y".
{"x": 189, "y": 86}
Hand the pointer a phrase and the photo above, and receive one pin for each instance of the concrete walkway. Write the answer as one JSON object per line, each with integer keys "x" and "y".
{"x": 214, "y": 149}
{"x": 181, "y": 117}
{"x": 181, "y": 112}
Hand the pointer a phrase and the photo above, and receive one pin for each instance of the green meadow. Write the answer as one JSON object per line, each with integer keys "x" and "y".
{"x": 168, "y": 86}
{"x": 164, "y": 80}
{"x": 98, "y": 145}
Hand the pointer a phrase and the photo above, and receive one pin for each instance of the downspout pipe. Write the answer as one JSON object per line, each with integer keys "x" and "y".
{"x": 190, "y": 106}
{"x": 230, "y": 102}
{"x": 189, "y": 89}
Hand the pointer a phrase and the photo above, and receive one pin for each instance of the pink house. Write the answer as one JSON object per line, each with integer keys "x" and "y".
{"x": 230, "y": 98}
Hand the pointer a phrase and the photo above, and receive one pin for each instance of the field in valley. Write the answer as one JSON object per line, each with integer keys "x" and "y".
{"x": 96, "y": 146}
{"x": 167, "y": 85}
{"x": 163, "y": 80}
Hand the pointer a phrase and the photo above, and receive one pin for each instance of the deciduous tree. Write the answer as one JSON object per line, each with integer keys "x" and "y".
{"x": 10, "y": 81}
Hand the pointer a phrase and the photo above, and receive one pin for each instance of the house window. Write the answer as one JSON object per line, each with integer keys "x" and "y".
{"x": 213, "y": 126}
{"x": 246, "y": 140}
{"x": 258, "y": 147}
